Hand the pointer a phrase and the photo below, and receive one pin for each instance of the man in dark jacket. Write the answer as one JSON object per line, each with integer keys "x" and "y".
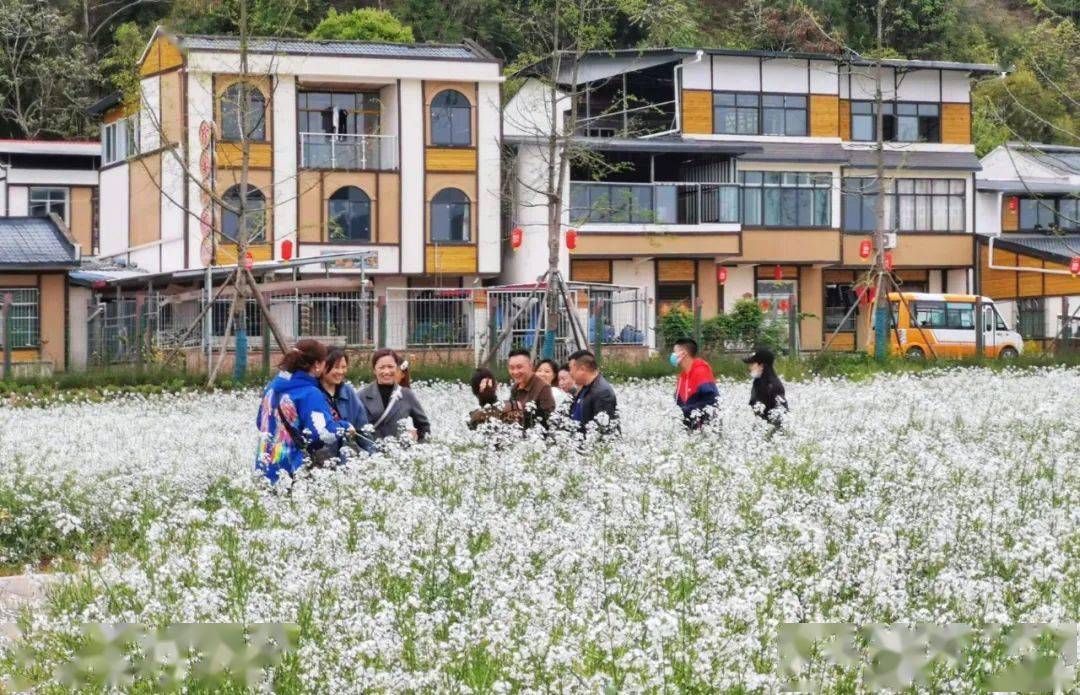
{"x": 531, "y": 401}
{"x": 594, "y": 394}
{"x": 767, "y": 396}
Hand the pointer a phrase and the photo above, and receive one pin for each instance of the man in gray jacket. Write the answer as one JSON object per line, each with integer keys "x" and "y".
{"x": 594, "y": 395}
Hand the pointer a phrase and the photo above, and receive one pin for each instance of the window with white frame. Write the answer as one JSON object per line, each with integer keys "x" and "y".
{"x": 786, "y": 198}
{"x": 25, "y": 317}
{"x": 120, "y": 139}
{"x": 49, "y": 199}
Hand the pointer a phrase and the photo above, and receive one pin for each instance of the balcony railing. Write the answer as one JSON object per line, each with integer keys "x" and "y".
{"x": 654, "y": 203}
{"x": 348, "y": 151}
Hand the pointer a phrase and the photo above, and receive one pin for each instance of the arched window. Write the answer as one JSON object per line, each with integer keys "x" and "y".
{"x": 451, "y": 119}
{"x": 450, "y": 216}
{"x": 254, "y": 215}
{"x": 350, "y": 215}
{"x": 233, "y": 103}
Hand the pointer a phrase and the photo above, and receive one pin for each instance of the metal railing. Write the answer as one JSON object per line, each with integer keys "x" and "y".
{"x": 348, "y": 151}
{"x": 654, "y": 203}
{"x": 618, "y": 315}
{"x": 426, "y": 318}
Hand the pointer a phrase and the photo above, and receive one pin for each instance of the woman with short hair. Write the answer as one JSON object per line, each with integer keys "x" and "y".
{"x": 390, "y": 405}
{"x": 342, "y": 397}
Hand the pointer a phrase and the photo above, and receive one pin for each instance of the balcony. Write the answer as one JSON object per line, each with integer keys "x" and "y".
{"x": 665, "y": 203}
{"x": 348, "y": 152}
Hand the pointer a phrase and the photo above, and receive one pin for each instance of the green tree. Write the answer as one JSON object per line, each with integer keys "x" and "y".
{"x": 365, "y": 24}
{"x": 120, "y": 65}
{"x": 265, "y": 17}
{"x": 46, "y": 75}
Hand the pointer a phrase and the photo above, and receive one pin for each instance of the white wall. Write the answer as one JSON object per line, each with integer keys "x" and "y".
{"x": 200, "y": 107}
{"x": 330, "y": 67}
{"x": 824, "y": 77}
{"x": 412, "y": 177}
{"x": 736, "y": 73}
{"x": 696, "y": 75}
{"x": 172, "y": 212}
{"x": 489, "y": 161}
{"x": 285, "y": 185}
{"x": 150, "y": 114}
{"x": 863, "y": 81}
{"x": 918, "y": 85}
{"x": 528, "y": 113}
{"x": 640, "y": 272}
{"x": 53, "y": 177}
{"x": 113, "y": 210}
{"x": 957, "y": 281}
{"x": 988, "y": 213}
{"x": 18, "y": 202}
{"x": 955, "y": 86}
{"x": 530, "y": 214}
{"x": 740, "y": 281}
{"x": 785, "y": 75}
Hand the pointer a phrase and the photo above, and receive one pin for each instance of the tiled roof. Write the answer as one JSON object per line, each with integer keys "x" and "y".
{"x": 333, "y": 48}
{"x": 34, "y": 242}
{"x": 904, "y": 159}
{"x": 1054, "y": 247}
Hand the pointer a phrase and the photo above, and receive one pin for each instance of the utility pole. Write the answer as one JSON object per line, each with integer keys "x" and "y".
{"x": 881, "y": 300}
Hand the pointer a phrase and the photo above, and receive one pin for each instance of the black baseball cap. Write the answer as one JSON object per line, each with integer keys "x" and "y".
{"x": 761, "y": 356}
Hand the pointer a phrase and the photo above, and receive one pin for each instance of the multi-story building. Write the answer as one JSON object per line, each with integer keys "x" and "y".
{"x": 1029, "y": 234}
{"x": 48, "y": 213}
{"x": 761, "y": 163}
{"x": 392, "y": 149}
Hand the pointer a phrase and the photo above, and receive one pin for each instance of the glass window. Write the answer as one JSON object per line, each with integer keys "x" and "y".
{"x": 901, "y": 121}
{"x": 860, "y": 204}
{"x": 1069, "y": 214}
{"x": 450, "y": 216}
{"x": 25, "y": 318}
{"x": 960, "y": 316}
{"x": 243, "y": 110}
{"x": 49, "y": 200}
{"x": 735, "y": 113}
{"x": 451, "y": 119}
{"x": 786, "y": 199}
{"x": 254, "y": 215}
{"x": 839, "y": 299}
{"x": 350, "y": 215}
{"x": 929, "y": 315}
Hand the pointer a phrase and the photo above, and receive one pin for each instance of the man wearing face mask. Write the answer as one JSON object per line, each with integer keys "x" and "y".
{"x": 767, "y": 396}
{"x": 695, "y": 392}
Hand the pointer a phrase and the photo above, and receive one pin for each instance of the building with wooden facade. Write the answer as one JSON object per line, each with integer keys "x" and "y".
{"x": 755, "y": 162}
{"x": 1029, "y": 234}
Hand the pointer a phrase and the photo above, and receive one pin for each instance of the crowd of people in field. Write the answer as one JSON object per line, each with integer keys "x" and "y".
{"x": 311, "y": 416}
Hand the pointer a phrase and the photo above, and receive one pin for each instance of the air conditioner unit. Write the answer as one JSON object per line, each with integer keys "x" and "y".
{"x": 890, "y": 240}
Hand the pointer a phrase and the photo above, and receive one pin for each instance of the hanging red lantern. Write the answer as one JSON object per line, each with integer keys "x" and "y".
{"x": 249, "y": 261}
{"x": 721, "y": 274}
{"x": 1074, "y": 265}
{"x": 1013, "y": 203}
{"x": 765, "y": 305}
{"x": 286, "y": 250}
{"x": 516, "y": 237}
{"x": 571, "y": 239}
{"x": 865, "y": 294}
{"x": 888, "y": 261}
{"x": 784, "y": 305}
{"x": 865, "y": 247}
{"x": 778, "y": 273}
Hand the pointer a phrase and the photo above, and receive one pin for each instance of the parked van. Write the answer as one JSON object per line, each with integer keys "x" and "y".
{"x": 943, "y": 325}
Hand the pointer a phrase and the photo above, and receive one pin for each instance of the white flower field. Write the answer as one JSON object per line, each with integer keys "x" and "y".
{"x": 658, "y": 562}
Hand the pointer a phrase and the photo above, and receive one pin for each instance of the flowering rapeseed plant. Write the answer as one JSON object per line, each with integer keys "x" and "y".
{"x": 487, "y": 561}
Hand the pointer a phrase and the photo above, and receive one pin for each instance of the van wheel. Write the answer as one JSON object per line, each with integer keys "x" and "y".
{"x": 1008, "y": 353}
{"x": 915, "y": 353}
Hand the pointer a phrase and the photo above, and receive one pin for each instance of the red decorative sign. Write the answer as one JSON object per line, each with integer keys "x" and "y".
{"x": 888, "y": 261}
{"x": 286, "y": 250}
{"x": 721, "y": 274}
{"x": 204, "y": 165}
{"x": 205, "y": 131}
{"x": 1013, "y": 204}
{"x": 1074, "y": 265}
{"x": 778, "y": 273}
{"x": 516, "y": 237}
{"x": 206, "y": 251}
{"x": 249, "y": 261}
{"x": 206, "y": 222}
{"x": 865, "y": 248}
{"x": 571, "y": 239}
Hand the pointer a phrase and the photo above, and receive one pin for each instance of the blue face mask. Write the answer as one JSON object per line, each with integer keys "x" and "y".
{"x": 674, "y": 359}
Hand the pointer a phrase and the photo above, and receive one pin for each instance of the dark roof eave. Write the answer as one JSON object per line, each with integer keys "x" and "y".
{"x": 104, "y": 104}
{"x": 837, "y": 57}
{"x": 667, "y": 146}
{"x": 1017, "y": 246}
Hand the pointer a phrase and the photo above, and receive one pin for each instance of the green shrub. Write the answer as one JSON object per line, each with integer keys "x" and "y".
{"x": 677, "y": 323}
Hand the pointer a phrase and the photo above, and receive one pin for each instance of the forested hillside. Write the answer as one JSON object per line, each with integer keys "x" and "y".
{"x": 57, "y": 57}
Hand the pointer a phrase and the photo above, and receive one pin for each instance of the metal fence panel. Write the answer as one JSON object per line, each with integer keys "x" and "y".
{"x": 430, "y": 317}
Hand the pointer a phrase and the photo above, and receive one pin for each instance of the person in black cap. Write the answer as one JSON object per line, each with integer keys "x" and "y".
{"x": 767, "y": 396}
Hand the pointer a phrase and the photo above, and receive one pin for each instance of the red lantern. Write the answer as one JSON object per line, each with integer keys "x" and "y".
{"x": 765, "y": 304}
{"x": 249, "y": 261}
{"x": 98, "y": 285}
{"x": 865, "y": 247}
{"x": 1074, "y": 265}
{"x": 784, "y": 305}
{"x": 721, "y": 274}
{"x": 516, "y": 237}
{"x": 286, "y": 250}
{"x": 888, "y": 261}
{"x": 571, "y": 239}
{"x": 1013, "y": 204}
{"x": 865, "y": 294}
{"x": 778, "y": 273}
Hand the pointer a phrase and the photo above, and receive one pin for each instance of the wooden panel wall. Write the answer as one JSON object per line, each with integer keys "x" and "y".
{"x": 450, "y": 158}
{"x": 956, "y": 124}
{"x": 230, "y": 155}
{"x": 1031, "y": 284}
{"x": 172, "y": 108}
{"x": 811, "y": 301}
{"x": 389, "y": 207}
{"x": 82, "y": 216}
{"x": 845, "y": 119}
{"x": 697, "y": 111}
{"x": 1010, "y": 219}
{"x": 676, "y": 270}
{"x": 456, "y": 260}
{"x": 707, "y": 289}
{"x": 53, "y": 313}
{"x": 144, "y": 196}
{"x": 824, "y": 116}
{"x": 588, "y": 270}
{"x": 997, "y": 284}
{"x": 162, "y": 55}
